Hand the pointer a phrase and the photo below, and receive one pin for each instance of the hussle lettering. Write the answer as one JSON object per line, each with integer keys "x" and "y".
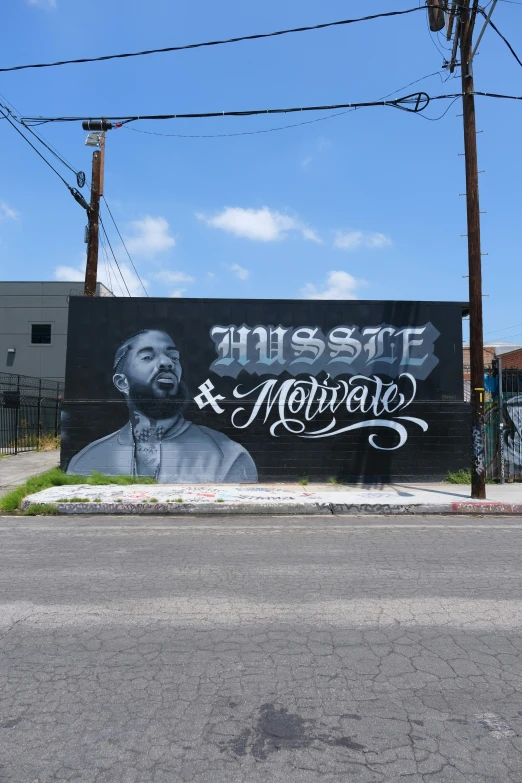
{"x": 271, "y": 350}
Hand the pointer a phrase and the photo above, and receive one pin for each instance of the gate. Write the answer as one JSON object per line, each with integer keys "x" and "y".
{"x": 29, "y": 412}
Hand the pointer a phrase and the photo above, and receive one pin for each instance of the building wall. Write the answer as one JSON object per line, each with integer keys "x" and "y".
{"x": 294, "y": 389}
{"x": 512, "y": 360}
{"x": 26, "y": 303}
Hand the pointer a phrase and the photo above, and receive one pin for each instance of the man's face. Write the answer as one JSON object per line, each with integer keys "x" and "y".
{"x": 151, "y": 368}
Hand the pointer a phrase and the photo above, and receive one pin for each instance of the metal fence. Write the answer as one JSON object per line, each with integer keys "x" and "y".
{"x": 29, "y": 412}
{"x": 503, "y": 423}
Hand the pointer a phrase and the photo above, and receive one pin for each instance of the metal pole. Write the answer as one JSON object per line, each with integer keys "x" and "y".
{"x": 39, "y": 412}
{"x": 476, "y": 350}
{"x": 17, "y": 413}
{"x": 502, "y": 474}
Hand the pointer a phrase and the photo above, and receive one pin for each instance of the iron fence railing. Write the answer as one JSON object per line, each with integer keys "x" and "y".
{"x": 29, "y": 412}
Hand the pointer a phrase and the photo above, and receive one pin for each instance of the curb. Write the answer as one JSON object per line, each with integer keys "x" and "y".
{"x": 480, "y": 507}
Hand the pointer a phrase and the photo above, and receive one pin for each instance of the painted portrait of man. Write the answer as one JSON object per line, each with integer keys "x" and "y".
{"x": 158, "y": 441}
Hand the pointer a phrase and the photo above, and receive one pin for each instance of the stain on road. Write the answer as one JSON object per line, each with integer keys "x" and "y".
{"x": 275, "y": 728}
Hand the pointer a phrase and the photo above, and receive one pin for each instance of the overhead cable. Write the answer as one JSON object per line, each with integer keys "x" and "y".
{"x": 419, "y": 101}
{"x": 74, "y": 193}
{"x": 255, "y": 37}
{"x": 114, "y": 255}
{"x": 495, "y": 28}
{"x": 280, "y": 127}
{"x": 415, "y": 104}
{"x": 125, "y": 246}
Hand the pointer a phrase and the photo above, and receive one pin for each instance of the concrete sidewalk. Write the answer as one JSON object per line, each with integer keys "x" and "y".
{"x": 324, "y": 499}
{"x": 17, "y": 468}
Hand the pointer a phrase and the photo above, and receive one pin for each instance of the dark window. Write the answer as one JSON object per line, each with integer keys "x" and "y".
{"x": 41, "y": 334}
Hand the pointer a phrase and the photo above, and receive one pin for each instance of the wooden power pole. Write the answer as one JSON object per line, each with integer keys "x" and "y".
{"x": 98, "y": 165}
{"x": 91, "y": 269}
{"x": 476, "y": 346}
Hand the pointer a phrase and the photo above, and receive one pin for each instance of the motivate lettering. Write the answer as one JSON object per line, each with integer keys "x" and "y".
{"x": 298, "y": 404}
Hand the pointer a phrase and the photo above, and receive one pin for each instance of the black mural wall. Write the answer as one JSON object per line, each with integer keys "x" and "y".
{"x": 207, "y": 390}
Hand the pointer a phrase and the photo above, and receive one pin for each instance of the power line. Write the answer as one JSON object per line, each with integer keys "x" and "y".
{"x": 125, "y": 246}
{"x": 41, "y": 138}
{"x": 114, "y": 256}
{"x": 281, "y": 127}
{"x": 420, "y": 102}
{"x": 216, "y": 43}
{"x": 505, "y": 329}
{"x": 495, "y": 28}
{"x": 75, "y": 193}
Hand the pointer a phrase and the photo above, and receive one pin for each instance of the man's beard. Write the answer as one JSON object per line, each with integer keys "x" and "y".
{"x": 163, "y": 408}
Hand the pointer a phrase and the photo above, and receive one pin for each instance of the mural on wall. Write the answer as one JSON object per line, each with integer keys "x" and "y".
{"x": 213, "y": 393}
{"x": 158, "y": 441}
{"x": 513, "y": 436}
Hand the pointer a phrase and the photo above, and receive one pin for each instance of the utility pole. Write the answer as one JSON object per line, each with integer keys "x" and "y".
{"x": 91, "y": 269}
{"x": 476, "y": 346}
{"x": 98, "y": 166}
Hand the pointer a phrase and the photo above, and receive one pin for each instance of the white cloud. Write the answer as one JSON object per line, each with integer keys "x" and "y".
{"x": 240, "y": 271}
{"x": 69, "y": 274}
{"x": 323, "y": 145}
{"x": 210, "y": 275}
{"x": 169, "y": 277}
{"x": 262, "y": 225}
{"x": 77, "y": 275}
{"x": 43, "y": 3}
{"x": 150, "y": 236}
{"x": 7, "y": 212}
{"x": 338, "y": 285}
{"x": 351, "y": 240}
{"x": 378, "y": 240}
{"x": 306, "y": 161}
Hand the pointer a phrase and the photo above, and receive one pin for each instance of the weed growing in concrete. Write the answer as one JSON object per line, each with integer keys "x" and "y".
{"x": 303, "y": 481}
{"x": 41, "y": 508}
{"x": 179, "y": 500}
{"x": 153, "y": 500}
{"x": 333, "y": 480}
{"x": 463, "y": 477}
{"x": 220, "y": 500}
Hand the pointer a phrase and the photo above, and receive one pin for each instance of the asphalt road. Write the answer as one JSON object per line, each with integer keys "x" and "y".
{"x": 255, "y": 651}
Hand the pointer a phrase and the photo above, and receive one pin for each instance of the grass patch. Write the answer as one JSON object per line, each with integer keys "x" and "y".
{"x": 57, "y": 478}
{"x": 153, "y": 500}
{"x": 48, "y": 442}
{"x": 220, "y": 500}
{"x": 41, "y": 508}
{"x": 303, "y": 481}
{"x": 332, "y": 480}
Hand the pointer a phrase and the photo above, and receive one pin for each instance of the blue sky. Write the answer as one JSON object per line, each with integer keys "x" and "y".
{"x": 362, "y": 205}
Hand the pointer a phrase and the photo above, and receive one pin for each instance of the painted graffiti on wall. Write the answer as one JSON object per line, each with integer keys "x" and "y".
{"x": 199, "y": 391}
